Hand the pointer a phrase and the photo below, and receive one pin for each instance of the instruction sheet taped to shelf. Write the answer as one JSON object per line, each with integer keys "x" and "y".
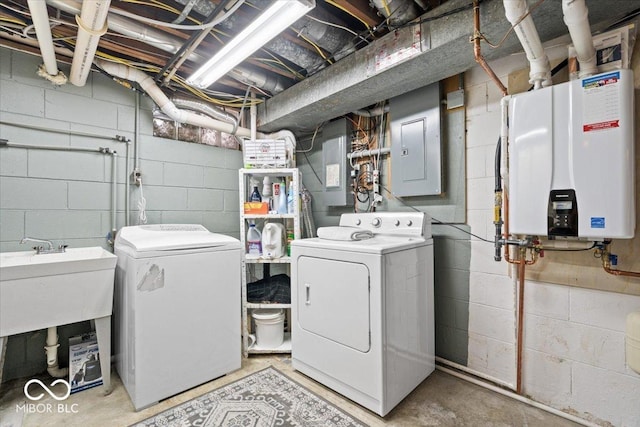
{"x": 601, "y": 102}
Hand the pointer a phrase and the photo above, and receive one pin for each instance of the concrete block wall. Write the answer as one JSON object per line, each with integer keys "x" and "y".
{"x": 574, "y": 354}
{"x": 66, "y": 196}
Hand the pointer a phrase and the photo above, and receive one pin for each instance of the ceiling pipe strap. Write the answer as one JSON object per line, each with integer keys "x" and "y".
{"x": 97, "y": 33}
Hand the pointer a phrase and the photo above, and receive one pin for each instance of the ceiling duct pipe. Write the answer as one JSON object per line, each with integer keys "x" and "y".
{"x": 576, "y": 17}
{"x": 540, "y": 70}
{"x": 398, "y": 12}
{"x": 167, "y": 43}
{"x": 205, "y": 108}
{"x": 91, "y": 26}
{"x": 40, "y": 18}
{"x": 147, "y": 84}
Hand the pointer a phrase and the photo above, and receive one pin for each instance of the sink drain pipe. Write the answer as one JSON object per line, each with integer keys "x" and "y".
{"x": 52, "y": 354}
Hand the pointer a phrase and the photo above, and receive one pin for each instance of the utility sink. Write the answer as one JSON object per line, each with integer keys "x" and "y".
{"x": 39, "y": 291}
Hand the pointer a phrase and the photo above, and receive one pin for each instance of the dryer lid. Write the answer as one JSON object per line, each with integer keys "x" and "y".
{"x": 169, "y": 237}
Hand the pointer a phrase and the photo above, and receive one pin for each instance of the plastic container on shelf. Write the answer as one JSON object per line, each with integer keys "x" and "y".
{"x": 255, "y": 195}
{"x": 254, "y": 240}
{"x": 290, "y": 204}
{"x": 282, "y": 200}
{"x": 266, "y": 191}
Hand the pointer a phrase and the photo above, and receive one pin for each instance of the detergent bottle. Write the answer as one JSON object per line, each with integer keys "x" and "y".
{"x": 254, "y": 240}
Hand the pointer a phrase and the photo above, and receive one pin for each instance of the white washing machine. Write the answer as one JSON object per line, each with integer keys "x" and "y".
{"x": 362, "y": 311}
{"x": 177, "y": 309}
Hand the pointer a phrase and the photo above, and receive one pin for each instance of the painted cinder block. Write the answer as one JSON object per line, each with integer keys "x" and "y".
{"x": 66, "y": 165}
{"x": 547, "y": 378}
{"x": 605, "y": 395}
{"x": 30, "y": 193}
{"x": 604, "y": 309}
{"x": 492, "y": 290}
{"x": 183, "y": 175}
{"x": 587, "y": 344}
{"x": 224, "y": 179}
{"x": 492, "y": 322}
{"x": 205, "y": 199}
{"x": 63, "y": 224}
{"x": 13, "y": 162}
{"x": 11, "y": 224}
{"x": 80, "y": 109}
{"x": 165, "y": 198}
{"x": 22, "y": 99}
{"x": 545, "y": 299}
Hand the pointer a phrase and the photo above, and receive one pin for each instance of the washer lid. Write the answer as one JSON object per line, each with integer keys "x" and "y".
{"x": 378, "y": 244}
{"x": 167, "y": 237}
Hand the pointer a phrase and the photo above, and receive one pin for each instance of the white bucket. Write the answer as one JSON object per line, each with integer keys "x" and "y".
{"x": 269, "y": 327}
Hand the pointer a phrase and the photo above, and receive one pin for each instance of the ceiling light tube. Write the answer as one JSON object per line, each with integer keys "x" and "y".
{"x": 269, "y": 24}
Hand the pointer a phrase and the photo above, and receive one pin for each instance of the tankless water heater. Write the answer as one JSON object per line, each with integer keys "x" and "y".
{"x": 572, "y": 160}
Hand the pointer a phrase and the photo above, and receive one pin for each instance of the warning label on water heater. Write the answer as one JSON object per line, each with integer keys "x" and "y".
{"x": 601, "y": 102}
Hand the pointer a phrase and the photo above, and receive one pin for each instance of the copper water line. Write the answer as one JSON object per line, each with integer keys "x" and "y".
{"x": 621, "y": 272}
{"x": 606, "y": 265}
{"x": 476, "y": 49}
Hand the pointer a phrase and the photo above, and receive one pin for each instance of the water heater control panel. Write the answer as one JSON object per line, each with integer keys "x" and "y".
{"x": 562, "y": 219}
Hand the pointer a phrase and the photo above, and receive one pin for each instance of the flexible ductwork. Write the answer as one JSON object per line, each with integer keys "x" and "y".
{"x": 576, "y": 16}
{"x": 204, "y": 108}
{"x": 91, "y": 26}
{"x": 168, "y": 43}
{"x": 540, "y": 70}
{"x": 398, "y": 12}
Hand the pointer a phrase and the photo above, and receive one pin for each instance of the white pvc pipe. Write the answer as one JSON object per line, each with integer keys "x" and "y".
{"x": 40, "y": 17}
{"x": 91, "y": 26}
{"x": 169, "y": 108}
{"x": 367, "y": 153}
{"x": 474, "y": 373}
{"x": 52, "y": 354}
{"x": 540, "y": 70}
{"x": 576, "y": 16}
{"x": 517, "y": 397}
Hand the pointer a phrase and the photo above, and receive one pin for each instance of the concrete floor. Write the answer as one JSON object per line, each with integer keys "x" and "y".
{"x": 441, "y": 400}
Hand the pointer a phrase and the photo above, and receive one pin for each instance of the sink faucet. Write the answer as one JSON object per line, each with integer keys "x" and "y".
{"x": 40, "y": 249}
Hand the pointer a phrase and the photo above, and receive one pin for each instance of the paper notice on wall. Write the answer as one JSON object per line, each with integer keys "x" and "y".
{"x": 601, "y": 102}
{"x": 333, "y": 175}
{"x": 397, "y": 47}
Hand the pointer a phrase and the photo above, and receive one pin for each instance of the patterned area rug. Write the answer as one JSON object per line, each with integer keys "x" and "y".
{"x": 264, "y": 399}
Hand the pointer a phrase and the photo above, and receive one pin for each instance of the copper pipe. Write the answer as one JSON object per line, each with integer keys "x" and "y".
{"x": 622, "y": 272}
{"x": 476, "y": 49}
{"x": 520, "y": 331}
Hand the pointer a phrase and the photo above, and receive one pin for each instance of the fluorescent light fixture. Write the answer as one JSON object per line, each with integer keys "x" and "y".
{"x": 272, "y": 22}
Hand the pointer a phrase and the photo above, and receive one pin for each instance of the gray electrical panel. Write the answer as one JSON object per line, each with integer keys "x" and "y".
{"x": 416, "y": 155}
{"x": 336, "y": 143}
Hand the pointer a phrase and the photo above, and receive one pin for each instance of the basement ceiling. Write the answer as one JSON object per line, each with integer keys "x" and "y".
{"x": 322, "y": 67}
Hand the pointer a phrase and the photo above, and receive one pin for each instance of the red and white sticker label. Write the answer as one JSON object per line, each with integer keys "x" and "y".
{"x": 601, "y": 102}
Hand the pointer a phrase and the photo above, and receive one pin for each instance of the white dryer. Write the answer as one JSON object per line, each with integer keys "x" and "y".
{"x": 177, "y": 309}
{"x": 363, "y": 311}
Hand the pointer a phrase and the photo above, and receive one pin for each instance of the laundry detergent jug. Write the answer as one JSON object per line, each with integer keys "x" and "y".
{"x": 273, "y": 235}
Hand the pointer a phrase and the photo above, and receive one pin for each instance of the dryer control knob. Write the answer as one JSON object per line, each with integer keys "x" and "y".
{"x": 358, "y": 222}
{"x": 396, "y": 222}
{"x": 409, "y": 223}
{"x": 376, "y": 222}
